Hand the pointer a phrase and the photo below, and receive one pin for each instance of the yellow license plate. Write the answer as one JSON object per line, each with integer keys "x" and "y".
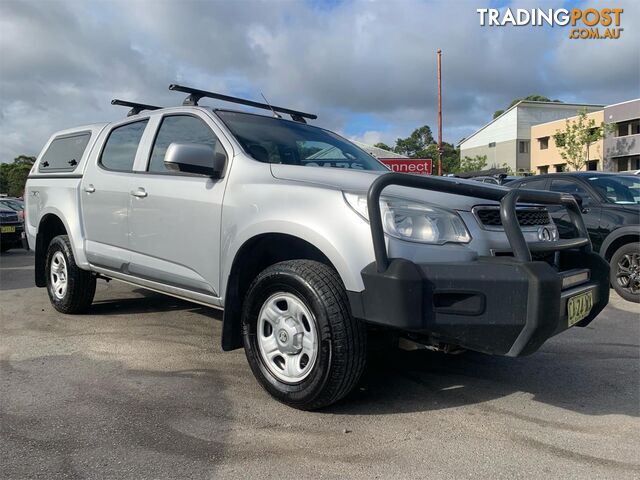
{"x": 7, "y": 229}
{"x": 578, "y": 307}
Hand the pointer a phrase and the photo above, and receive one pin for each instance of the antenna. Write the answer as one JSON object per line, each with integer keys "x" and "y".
{"x": 274, "y": 112}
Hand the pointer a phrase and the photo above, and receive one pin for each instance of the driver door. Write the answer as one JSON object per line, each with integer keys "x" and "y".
{"x": 175, "y": 219}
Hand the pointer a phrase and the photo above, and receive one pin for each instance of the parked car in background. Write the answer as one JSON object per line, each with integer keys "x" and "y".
{"x": 11, "y": 229}
{"x": 502, "y": 179}
{"x": 13, "y": 204}
{"x": 611, "y": 211}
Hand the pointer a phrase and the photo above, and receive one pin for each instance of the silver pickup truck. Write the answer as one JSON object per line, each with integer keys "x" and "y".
{"x": 305, "y": 241}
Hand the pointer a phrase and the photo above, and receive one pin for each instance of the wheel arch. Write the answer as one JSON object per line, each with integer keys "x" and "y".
{"x": 256, "y": 254}
{"x": 618, "y": 238}
{"x": 51, "y": 225}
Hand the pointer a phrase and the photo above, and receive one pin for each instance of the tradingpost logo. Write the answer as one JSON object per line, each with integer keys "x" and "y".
{"x": 585, "y": 23}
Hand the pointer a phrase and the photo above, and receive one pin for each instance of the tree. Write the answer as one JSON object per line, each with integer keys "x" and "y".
{"x": 576, "y": 139}
{"x": 533, "y": 98}
{"x": 473, "y": 164}
{"x": 415, "y": 145}
{"x": 13, "y": 176}
{"x": 383, "y": 146}
{"x": 450, "y": 157}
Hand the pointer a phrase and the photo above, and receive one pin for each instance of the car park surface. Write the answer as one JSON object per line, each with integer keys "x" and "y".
{"x": 139, "y": 387}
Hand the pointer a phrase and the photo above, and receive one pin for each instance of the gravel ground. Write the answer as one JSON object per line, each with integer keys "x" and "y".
{"x": 141, "y": 389}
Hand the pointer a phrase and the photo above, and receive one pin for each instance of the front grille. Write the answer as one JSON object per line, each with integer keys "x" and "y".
{"x": 490, "y": 216}
{"x": 8, "y": 217}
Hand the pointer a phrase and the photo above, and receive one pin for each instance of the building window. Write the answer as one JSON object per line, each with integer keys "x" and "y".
{"x": 492, "y": 145}
{"x": 561, "y": 167}
{"x": 523, "y": 146}
{"x": 544, "y": 143}
{"x": 559, "y": 138}
{"x": 631, "y": 127}
{"x": 592, "y": 165}
{"x": 628, "y": 163}
{"x": 543, "y": 169}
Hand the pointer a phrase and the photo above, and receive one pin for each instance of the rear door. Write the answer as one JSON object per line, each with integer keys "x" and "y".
{"x": 106, "y": 193}
{"x": 175, "y": 222}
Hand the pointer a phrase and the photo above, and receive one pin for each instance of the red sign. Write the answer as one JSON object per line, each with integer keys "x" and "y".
{"x": 417, "y": 166}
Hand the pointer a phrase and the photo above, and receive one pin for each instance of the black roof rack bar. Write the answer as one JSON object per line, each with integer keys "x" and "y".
{"x": 136, "y": 108}
{"x": 195, "y": 95}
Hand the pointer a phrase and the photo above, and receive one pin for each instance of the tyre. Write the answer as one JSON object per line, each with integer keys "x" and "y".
{"x": 625, "y": 272}
{"x": 70, "y": 288}
{"x": 302, "y": 343}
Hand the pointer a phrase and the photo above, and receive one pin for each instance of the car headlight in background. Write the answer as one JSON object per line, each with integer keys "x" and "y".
{"x": 412, "y": 220}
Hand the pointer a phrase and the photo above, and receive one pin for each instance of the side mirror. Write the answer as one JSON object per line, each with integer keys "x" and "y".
{"x": 195, "y": 158}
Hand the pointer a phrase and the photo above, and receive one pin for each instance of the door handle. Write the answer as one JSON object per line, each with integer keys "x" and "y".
{"x": 139, "y": 193}
{"x": 90, "y": 188}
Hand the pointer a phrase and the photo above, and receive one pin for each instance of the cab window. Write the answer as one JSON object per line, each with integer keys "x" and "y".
{"x": 120, "y": 150}
{"x": 180, "y": 129}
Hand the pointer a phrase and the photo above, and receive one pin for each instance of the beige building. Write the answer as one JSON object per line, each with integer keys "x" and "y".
{"x": 545, "y": 155}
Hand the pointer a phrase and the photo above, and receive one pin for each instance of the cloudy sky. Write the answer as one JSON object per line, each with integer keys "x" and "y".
{"x": 366, "y": 67}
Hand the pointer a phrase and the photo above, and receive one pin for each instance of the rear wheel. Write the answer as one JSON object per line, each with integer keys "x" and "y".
{"x": 625, "y": 272}
{"x": 70, "y": 288}
{"x": 302, "y": 344}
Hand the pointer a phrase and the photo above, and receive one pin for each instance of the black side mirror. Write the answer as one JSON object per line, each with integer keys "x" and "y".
{"x": 195, "y": 158}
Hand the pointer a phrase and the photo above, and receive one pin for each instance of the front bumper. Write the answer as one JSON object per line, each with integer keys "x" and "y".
{"x": 496, "y": 305}
{"x": 14, "y": 239}
{"x": 500, "y": 305}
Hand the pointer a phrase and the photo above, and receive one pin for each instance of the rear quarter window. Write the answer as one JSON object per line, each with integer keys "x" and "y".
{"x": 64, "y": 153}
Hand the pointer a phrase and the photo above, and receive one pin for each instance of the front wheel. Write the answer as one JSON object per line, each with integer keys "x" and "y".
{"x": 70, "y": 288}
{"x": 302, "y": 343}
{"x": 625, "y": 272}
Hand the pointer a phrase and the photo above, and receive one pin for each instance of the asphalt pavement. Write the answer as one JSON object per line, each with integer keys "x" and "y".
{"x": 140, "y": 388}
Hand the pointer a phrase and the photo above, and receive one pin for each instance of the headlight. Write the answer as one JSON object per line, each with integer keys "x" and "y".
{"x": 414, "y": 221}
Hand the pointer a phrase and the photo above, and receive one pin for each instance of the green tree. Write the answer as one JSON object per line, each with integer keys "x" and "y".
{"x": 13, "y": 176}
{"x": 534, "y": 98}
{"x": 415, "y": 145}
{"x": 575, "y": 140}
{"x": 473, "y": 164}
{"x": 383, "y": 146}
{"x": 450, "y": 157}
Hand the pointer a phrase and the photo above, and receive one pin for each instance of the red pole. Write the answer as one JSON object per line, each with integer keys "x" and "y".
{"x": 439, "y": 112}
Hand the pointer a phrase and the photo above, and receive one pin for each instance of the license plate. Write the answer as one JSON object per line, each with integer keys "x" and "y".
{"x": 578, "y": 307}
{"x": 7, "y": 229}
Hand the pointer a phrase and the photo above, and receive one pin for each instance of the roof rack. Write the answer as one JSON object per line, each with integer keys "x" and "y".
{"x": 136, "y": 108}
{"x": 195, "y": 95}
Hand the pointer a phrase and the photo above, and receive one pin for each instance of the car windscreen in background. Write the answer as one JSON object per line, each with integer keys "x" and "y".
{"x": 64, "y": 153}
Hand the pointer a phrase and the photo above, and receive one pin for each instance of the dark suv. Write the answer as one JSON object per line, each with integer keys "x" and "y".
{"x": 11, "y": 229}
{"x": 611, "y": 212}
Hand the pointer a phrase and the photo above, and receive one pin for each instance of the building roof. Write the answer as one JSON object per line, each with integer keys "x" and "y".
{"x": 532, "y": 103}
{"x": 377, "y": 152}
{"x": 622, "y": 103}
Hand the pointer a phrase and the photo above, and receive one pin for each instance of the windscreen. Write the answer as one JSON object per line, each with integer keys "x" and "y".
{"x": 273, "y": 140}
